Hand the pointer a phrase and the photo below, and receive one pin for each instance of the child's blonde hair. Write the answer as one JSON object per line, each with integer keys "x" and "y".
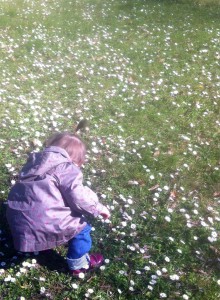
{"x": 71, "y": 143}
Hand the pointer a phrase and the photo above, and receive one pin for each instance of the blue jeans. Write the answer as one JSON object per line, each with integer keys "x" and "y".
{"x": 79, "y": 246}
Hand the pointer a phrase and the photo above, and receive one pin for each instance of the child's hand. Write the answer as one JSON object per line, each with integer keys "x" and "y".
{"x": 105, "y": 213}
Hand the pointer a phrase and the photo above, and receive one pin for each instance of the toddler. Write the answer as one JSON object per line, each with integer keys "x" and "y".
{"x": 46, "y": 207}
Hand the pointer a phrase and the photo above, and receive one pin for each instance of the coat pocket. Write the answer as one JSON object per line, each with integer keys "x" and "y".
{"x": 18, "y": 198}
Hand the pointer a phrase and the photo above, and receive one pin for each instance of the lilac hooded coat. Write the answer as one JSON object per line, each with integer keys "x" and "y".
{"x": 46, "y": 206}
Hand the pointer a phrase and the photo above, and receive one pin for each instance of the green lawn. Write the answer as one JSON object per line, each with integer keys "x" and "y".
{"x": 146, "y": 76}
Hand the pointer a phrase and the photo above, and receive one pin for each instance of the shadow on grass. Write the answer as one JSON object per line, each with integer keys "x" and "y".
{"x": 10, "y": 258}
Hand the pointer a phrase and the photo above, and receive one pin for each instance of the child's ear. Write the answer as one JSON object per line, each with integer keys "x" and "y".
{"x": 81, "y": 125}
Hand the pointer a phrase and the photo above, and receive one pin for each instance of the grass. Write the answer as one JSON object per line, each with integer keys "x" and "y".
{"x": 146, "y": 76}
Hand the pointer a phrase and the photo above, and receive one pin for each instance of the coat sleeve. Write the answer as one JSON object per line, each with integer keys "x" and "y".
{"x": 80, "y": 198}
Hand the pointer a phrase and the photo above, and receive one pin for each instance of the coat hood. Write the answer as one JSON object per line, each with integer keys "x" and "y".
{"x": 40, "y": 163}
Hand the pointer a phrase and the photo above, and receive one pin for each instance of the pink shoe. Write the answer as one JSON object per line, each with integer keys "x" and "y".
{"x": 96, "y": 260}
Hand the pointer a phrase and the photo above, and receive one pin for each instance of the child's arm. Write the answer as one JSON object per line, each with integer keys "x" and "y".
{"x": 105, "y": 213}
{"x": 80, "y": 198}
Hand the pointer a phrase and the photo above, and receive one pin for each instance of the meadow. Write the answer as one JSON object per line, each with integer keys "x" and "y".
{"x": 146, "y": 76}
